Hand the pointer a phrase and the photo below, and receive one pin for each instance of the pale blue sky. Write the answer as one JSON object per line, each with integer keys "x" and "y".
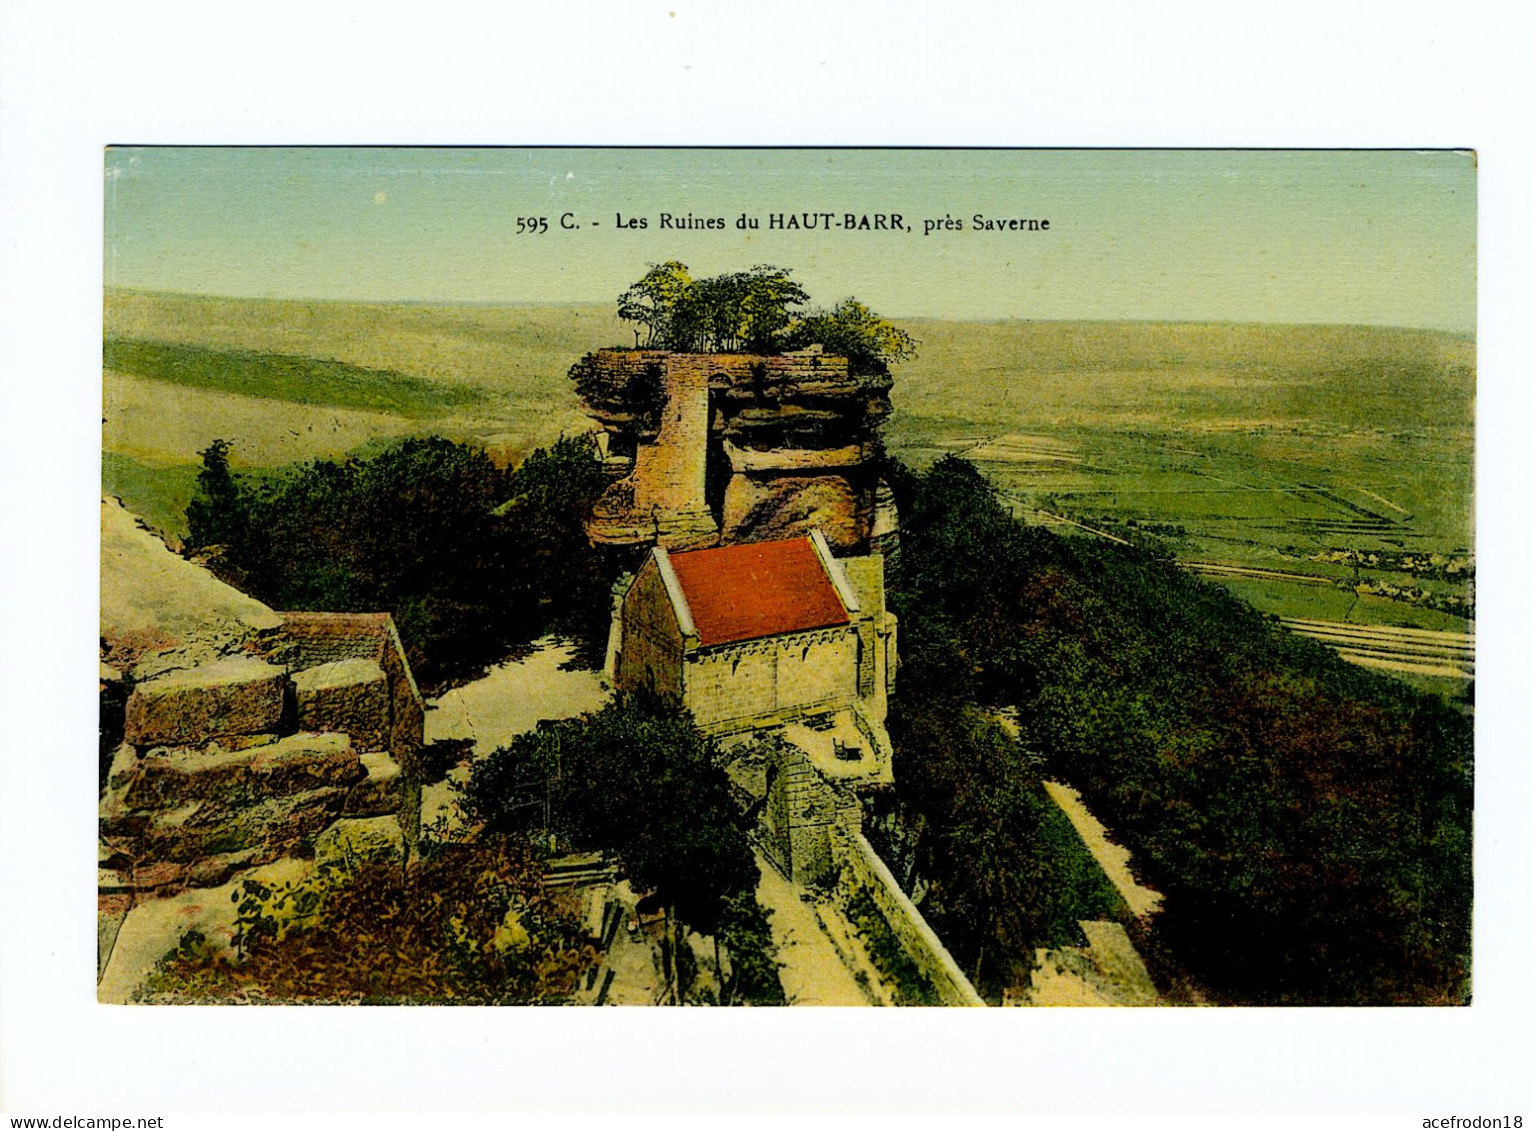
{"x": 1365, "y": 237}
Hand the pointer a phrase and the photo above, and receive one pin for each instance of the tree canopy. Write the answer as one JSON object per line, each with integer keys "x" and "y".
{"x": 636, "y": 777}
{"x": 639, "y": 779}
{"x": 470, "y": 559}
{"x": 761, "y": 310}
{"x": 853, "y": 331}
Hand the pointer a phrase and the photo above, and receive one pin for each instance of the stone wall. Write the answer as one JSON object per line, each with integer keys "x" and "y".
{"x": 407, "y": 710}
{"x": 759, "y": 682}
{"x": 799, "y": 819}
{"x": 325, "y": 638}
{"x": 862, "y": 868}
{"x": 811, "y": 831}
{"x": 314, "y": 640}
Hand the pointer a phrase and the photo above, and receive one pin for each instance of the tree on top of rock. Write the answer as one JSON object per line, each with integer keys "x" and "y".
{"x": 755, "y": 311}
{"x": 652, "y": 302}
{"x": 851, "y": 330}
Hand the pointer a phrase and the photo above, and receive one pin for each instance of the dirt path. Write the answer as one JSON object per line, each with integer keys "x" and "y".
{"x": 812, "y": 972}
{"x": 1113, "y": 858}
{"x": 512, "y": 697}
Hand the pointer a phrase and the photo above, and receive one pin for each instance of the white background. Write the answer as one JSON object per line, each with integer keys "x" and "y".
{"x": 75, "y": 78}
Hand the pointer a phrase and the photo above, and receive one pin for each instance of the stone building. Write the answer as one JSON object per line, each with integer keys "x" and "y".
{"x": 712, "y": 449}
{"x": 766, "y": 634}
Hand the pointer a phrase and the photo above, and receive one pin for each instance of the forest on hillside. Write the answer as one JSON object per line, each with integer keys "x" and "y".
{"x": 1309, "y": 823}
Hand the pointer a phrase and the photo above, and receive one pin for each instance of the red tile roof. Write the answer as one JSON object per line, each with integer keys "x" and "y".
{"x": 758, "y": 589}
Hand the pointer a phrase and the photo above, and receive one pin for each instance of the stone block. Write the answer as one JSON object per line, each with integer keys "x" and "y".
{"x": 383, "y": 791}
{"x": 370, "y": 838}
{"x": 169, "y": 778}
{"x": 266, "y": 829}
{"x": 235, "y": 695}
{"x": 348, "y": 696}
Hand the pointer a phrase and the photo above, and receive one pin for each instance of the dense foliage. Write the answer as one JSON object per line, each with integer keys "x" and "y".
{"x": 755, "y": 311}
{"x": 1308, "y": 822}
{"x": 849, "y": 329}
{"x": 637, "y": 778}
{"x": 471, "y": 560}
{"x": 1005, "y": 870}
{"x": 469, "y": 924}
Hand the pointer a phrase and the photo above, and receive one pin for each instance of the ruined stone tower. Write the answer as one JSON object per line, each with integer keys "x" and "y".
{"x": 706, "y": 449}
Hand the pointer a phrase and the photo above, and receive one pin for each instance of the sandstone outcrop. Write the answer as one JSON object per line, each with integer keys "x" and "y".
{"x": 183, "y": 807}
{"x": 721, "y": 448}
{"x": 155, "y": 602}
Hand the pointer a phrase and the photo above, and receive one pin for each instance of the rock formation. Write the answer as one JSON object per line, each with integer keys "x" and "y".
{"x": 721, "y": 448}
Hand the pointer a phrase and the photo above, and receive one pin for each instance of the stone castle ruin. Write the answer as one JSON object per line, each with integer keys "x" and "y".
{"x": 754, "y": 484}
{"x": 234, "y": 735}
{"x": 712, "y": 449}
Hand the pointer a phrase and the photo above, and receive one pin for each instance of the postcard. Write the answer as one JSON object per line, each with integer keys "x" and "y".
{"x": 787, "y": 577}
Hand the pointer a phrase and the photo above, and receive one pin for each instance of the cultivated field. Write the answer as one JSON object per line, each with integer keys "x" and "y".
{"x": 1294, "y": 464}
{"x": 1321, "y": 472}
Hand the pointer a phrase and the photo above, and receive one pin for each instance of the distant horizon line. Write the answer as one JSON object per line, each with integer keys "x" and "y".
{"x": 551, "y": 303}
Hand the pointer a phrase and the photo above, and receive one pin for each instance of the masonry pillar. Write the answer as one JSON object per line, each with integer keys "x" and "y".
{"x": 670, "y": 475}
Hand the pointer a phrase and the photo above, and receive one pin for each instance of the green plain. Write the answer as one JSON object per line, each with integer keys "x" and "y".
{"x": 282, "y": 377}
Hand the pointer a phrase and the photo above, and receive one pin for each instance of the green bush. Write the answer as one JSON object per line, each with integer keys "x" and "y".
{"x": 638, "y": 779}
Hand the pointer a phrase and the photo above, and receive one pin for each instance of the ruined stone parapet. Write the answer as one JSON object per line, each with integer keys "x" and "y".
{"x": 722, "y": 448}
{"x": 201, "y": 691}
{"x": 317, "y": 639}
